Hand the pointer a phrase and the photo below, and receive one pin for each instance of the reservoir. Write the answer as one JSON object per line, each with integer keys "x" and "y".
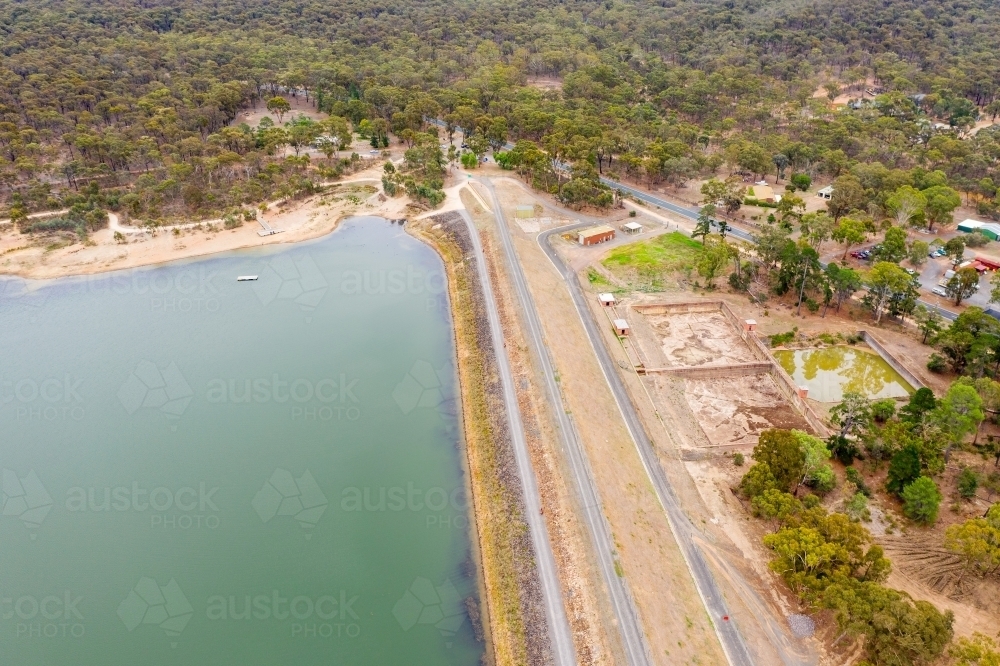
{"x": 197, "y": 470}
{"x": 829, "y": 372}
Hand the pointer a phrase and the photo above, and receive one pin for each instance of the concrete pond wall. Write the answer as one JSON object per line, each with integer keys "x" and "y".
{"x": 766, "y": 364}
{"x": 910, "y": 378}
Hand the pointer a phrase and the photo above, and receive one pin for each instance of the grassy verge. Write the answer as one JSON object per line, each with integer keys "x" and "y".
{"x": 669, "y": 252}
{"x": 644, "y": 264}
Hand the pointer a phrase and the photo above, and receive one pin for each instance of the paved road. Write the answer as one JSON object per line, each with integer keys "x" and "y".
{"x": 689, "y": 213}
{"x": 633, "y": 639}
{"x": 684, "y": 530}
{"x": 559, "y": 632}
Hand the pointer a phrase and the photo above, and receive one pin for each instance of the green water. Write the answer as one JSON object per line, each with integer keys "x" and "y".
{"x": 200, "y": 471}
{"x": 830, "y": 372}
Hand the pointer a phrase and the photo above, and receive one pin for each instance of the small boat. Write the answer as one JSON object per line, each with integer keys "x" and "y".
{"x": 246, "y": 278}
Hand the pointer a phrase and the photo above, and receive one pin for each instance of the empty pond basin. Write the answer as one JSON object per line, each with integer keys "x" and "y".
{"x": 830, "y": 372}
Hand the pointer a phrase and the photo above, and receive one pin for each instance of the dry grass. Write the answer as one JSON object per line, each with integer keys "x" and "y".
{"x": 500, "y": 523}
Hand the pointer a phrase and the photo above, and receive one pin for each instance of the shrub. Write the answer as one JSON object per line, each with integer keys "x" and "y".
{"x": 738, "y": 459}
{"x": 801, "y": 181}
{"x": 816, "y": 472}
{"x": 904, "y": 469}
{"x": 883, "y": 410}
{"x": 760, "y": 203}
{"x": 921, "y": 500}
{"x": 976, "y": 239}
{"x": 757, "y": 480}
{"x": 631, "y": 213}
{"x": 469, "y": 160}
{"x": 854, "y": 476}
{"x": 810, "y": 501}
{"x": 824, "y": 480}
{"x": 782, "y": 453}
{"x": 779, "y": 339}
{"x": 936, "y": 363}
{"x": 739, "y": 282}
{"x": 843, "y": 449}
{"x": 857, "y": 507}
{"x": 968, "y": 483}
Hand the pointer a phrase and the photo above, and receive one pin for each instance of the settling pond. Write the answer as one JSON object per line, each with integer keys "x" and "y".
{"x": 200, "y": 471}
{"x": 831, "y": 371}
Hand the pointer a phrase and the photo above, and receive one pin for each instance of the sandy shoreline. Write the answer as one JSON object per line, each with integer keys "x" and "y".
{"x": 301, "y": 220}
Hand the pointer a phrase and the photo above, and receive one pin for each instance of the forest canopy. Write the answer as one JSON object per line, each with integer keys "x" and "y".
{"x": 142, "y": 98}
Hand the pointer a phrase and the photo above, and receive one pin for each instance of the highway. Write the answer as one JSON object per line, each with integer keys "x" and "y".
{"x": 680, "y": 210}
{"x": 560, "y": 635}
{"x": 625, "y": 612}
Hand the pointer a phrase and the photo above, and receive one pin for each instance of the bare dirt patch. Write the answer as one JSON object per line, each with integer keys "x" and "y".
{"x": 735, "y": 410}
{"x": 699, "y": 339}
{"x": 545, "y": 83}
{"x": 300, "y": 106}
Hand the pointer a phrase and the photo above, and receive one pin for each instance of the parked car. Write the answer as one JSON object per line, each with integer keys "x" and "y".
{"x": 910, "y": 271}
{"x": 940, "y": 291}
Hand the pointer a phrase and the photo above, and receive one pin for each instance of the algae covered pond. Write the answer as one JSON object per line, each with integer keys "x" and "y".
{"x": 830, "y": 372}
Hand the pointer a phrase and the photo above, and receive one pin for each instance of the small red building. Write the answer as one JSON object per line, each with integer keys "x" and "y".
{"x": 595, "y": 235}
